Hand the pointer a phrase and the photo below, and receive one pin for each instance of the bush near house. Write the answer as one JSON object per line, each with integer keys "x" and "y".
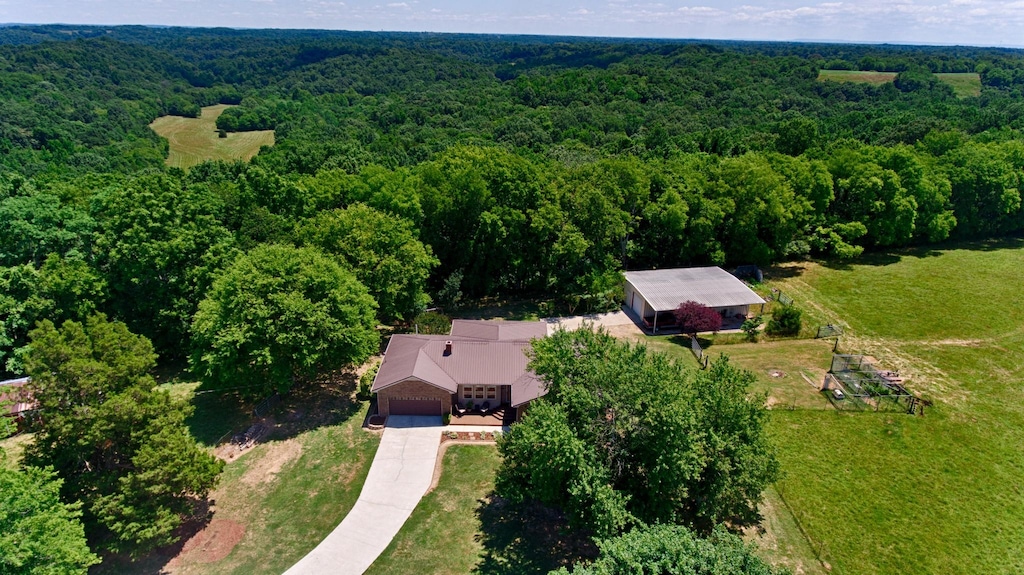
{"x": 786, "y": 320}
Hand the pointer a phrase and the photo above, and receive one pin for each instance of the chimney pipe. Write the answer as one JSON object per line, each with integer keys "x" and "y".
{"x": 448, "y": 347}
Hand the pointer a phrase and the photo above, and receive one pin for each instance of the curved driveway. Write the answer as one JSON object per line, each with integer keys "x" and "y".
{"x": 399, "y": 477}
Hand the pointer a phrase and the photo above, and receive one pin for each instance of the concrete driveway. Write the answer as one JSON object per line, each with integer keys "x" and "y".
{"x": 399, "y": 477}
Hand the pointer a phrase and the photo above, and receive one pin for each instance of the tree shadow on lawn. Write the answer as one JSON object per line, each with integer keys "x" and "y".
{"x": 527, "y": 539}
{"x": 327, "y": 400}
{"x": 889, "y": 257}
{"x": 155, "y": 562}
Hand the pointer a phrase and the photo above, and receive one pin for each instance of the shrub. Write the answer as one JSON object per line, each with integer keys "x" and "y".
{"x": 366, "y": 381}
{"x": 446, "y": 419}
{"x": 785, "y": 321}
{"x": 750, "y": 327}
{"x": 431, "y": 322}
{"x": 695, "y": 317}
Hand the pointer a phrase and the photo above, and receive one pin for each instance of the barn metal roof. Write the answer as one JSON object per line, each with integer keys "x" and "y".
{"x": 712, "y": 286}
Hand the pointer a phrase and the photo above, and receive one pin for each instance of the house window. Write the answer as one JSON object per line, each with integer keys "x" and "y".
{"x": 491, "y": 392}
{"x": 467, "y": 392}
{"x": 479, "y": 392}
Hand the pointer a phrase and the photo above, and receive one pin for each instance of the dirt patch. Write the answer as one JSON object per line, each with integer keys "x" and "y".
{"x": 274, "y": 457}
{"x": 959, "y": 342}
{"x": 210, "y": 545}
{"x": 625, "y": 331}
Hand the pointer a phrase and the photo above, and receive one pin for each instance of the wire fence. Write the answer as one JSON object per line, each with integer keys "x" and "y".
{"x": 698, "y": 352}
{"x": 829, "y": 331}
{"x": 264, "y": 407}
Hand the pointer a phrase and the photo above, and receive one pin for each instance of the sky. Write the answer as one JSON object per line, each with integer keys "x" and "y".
{"x": 968, "y": 22}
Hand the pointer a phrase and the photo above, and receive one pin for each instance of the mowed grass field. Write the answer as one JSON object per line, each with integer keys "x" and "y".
{"x": 195, "y": 140}
{"x": 964, "y": 85}
{"x": 875, "y": 78}
{"x": 943, "y": 493}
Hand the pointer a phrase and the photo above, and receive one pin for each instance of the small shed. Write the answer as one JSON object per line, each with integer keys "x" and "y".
{"x": 15, "y": 402}
{"x": 653, "y": 294}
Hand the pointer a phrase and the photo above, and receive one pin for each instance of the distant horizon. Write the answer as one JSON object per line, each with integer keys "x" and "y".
{"x": 974, "y": 23}
{"x": 831, "y": 41}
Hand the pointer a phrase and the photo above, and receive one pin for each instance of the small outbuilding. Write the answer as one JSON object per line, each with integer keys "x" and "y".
{"x": 15, "y": 401}
{"x": 652, "y": 295}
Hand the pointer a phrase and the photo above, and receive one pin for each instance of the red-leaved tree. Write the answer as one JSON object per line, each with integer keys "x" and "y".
{"x": 694, "y": 317}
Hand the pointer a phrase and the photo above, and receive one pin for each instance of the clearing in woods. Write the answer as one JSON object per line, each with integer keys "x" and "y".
{"x": 195, "y": 140}
{"x": 874, "y": 78}
{"x": 964, "y": 85}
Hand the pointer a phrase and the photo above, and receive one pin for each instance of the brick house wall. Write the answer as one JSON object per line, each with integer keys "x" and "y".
{"x": 412, "y": 389}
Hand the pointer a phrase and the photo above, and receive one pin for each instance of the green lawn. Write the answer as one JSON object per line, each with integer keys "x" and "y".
{"x": 943, "y": 493}
{"x": 461, "y": 527}
{"x": 278, "y": 500}
{"x": 441, "y": 535}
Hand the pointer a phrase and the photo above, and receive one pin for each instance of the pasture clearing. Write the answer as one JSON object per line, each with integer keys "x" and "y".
{"x": 965, "y": 85}
{"x": 891, "y": 493}
{"x": 873, "y": 78}
{"x": 195, "y": 140}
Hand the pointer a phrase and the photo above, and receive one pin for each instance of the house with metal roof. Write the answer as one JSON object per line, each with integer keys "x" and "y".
{"x": 481, "y": 367}
{"x": 653, "y": 294}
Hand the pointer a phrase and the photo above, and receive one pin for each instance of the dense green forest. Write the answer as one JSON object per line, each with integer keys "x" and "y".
{"x": 439, "y": 168}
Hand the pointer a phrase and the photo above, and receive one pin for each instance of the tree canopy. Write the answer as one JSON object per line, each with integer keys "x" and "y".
{"x": 627, "y": 436}
{"x": 674, "y": 550}
{"x": 119, "y": 444}
{"x": 279, "y": 314}
{"x": 40, "y": 534}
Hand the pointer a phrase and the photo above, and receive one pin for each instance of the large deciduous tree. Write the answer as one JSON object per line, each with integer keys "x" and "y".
{"x": 119, "y": 444}
{"x": 280, "y": 314}
{"x": 626, "y": 435}
{"x": 161, "y": 246}
{"x": 39, "y": 534}
{"x": 384, "y": 253}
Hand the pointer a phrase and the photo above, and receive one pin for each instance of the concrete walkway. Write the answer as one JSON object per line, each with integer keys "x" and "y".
{"x": 598, "y": 319}
{"x": 399, "y": 477}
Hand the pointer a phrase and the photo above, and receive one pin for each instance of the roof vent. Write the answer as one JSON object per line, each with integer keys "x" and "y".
{"x": 448, "y": 347}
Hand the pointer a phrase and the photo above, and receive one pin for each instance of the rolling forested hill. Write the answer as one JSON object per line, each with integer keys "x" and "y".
{"x": 536, "y": 166}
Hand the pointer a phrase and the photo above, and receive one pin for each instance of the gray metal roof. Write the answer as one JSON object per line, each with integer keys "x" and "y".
{"x": 664, "y": 290}
{"x": 499, "y": 330}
